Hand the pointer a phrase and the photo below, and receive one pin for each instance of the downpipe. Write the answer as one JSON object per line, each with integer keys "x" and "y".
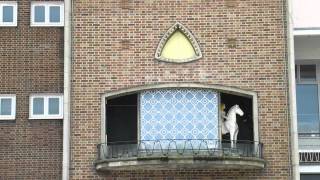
{"x": 292, "y": 94}
{"x": 67, "y": 89}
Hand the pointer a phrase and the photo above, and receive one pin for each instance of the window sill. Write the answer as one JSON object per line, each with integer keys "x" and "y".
{"x": 47, "y": 25}
{"x": 7, "y": 119}
{"x": 8, "y": 25}
{"x": 35, "y": 118}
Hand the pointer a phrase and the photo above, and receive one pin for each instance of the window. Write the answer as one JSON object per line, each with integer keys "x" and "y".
{"x": 7, "y": 107}
{"x": 46, "y": 107}
{"x": 8, "y": 13}
{"x": 310, "y": 176}
{"x": 47, "y": 14}
{"x": 307, "y": 98}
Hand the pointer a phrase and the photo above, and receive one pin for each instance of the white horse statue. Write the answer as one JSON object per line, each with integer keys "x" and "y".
{"x": 229, "y": 125}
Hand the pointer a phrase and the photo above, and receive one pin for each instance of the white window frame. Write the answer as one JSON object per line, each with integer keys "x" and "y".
{"x": 300, "y": 81}
{"x": 14, "y": 4}
{"x": 13, "y": 106}
{"x": 46, "y": 114}
{"x": 47, "y": 5}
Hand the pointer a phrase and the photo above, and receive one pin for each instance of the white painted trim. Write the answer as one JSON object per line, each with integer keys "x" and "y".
{"x": 14, "y": 4}
{"x": 47, "y": 5}
{"x": 306, "y": 32}
{"x": 309, "y": 150}
{"x": 309, "y": 169}
{"x": 13, "y": 106}
{"x": 46, "y": 114}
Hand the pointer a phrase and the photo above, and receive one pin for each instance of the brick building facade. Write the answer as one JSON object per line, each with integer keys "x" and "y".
{"x": 31, "y": 62}
{"x": 243, "y": 44}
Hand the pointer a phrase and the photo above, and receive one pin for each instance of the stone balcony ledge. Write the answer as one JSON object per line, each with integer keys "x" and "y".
{"x": 176, "y": 154}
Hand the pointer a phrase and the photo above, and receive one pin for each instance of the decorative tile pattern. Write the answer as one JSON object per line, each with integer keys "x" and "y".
{"x": 178, "y": 114}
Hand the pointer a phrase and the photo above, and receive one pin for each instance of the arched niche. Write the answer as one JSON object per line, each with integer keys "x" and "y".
{"x": 178, "y": 45}
{"x": 226, "y": 94}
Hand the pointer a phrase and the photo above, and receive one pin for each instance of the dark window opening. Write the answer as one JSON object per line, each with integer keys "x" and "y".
{"x": 122, "y": 115}
{"x": 310, "y": 176}
{"x": 244, "y": 122}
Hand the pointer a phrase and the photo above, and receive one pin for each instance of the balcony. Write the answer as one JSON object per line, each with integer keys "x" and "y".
{"x": 309, "y": 149}
{"x": 175, "y": 154}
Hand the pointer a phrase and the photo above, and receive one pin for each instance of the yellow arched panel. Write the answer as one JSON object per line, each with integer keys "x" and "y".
{"x": 178, "y": 47}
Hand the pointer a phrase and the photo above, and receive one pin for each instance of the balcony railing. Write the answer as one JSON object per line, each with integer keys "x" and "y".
{"x": 309, "y": 148}
{"x": 177, "y": 148}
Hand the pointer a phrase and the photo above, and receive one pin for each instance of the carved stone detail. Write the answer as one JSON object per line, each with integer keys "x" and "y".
{"x": 188, "y": 34}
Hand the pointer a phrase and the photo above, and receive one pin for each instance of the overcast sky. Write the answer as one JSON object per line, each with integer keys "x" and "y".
{"x": 306, "y": 13}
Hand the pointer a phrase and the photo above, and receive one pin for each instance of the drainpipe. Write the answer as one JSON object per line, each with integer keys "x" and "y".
{"x": 67, "y": 90}
{"x": 292, "y": 94}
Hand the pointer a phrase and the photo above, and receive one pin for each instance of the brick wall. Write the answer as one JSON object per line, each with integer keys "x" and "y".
{"x": 257, "y": 62}
{"x": 31, "y": 61}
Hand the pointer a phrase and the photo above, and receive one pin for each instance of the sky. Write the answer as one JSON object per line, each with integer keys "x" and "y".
{"x": 306, "y": 13}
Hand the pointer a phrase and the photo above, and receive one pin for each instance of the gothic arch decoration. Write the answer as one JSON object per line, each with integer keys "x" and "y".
{"x": 178, "y": 45}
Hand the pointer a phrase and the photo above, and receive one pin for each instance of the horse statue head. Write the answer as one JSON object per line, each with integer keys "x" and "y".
{"x": 238, "y": 110}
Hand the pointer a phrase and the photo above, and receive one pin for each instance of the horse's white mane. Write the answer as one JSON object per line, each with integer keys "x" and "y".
{"x": 230, "y": 110}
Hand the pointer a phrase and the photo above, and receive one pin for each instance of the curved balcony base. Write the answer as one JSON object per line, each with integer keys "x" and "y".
{"x": 163, "y": 163}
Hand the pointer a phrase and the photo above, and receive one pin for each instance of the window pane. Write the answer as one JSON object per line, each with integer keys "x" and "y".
{"x": 6, "y": 104}
{"x": 39, "y": 14}
{"x": 53, "y": 105}
{"x": 7, "y": 14}
{"x": 308, "y": 108}
{"x": 308, "y": 72}
{"x": 309, "y": 176}
{"x": 38, "y": 106}
{"x": 55, "y": 14}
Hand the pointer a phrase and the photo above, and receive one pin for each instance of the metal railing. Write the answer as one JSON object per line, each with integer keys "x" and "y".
{"x": 309, "y": 148}
{"x": 178, "y": 148}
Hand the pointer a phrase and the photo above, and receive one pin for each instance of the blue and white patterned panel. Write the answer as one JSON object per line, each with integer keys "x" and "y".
{"x": 178, "y": 114}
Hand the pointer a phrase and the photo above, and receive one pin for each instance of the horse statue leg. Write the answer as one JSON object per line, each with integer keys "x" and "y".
{"x": 236, "y": 136}
{"x": 232, "y": 132}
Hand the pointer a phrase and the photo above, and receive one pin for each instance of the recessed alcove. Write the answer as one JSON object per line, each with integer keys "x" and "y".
{"x": 174, "y": 126}
{"x": 244, "y": 122}
{"x": 122, "y": 119}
